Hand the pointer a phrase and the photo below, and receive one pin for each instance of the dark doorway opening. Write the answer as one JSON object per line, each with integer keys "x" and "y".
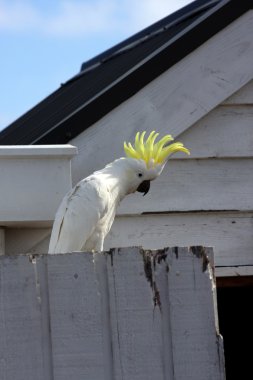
{"x": 235, "y": 310}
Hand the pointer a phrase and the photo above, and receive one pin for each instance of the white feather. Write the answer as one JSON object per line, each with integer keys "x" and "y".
{"x": 78, "y": 216}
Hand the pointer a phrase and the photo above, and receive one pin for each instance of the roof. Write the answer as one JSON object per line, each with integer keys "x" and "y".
{"x": 112, "y": 77}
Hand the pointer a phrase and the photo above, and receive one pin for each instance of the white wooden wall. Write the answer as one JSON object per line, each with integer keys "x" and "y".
{"x": 127, "y": 314}
{"x": 231, "y": 234}
{"x": 206, "y": 199}
{"x": 206, "y": 101}
{"x": 176, "y": 100}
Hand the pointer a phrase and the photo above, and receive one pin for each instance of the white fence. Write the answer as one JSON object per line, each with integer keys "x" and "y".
{"x": 127, "y": 315}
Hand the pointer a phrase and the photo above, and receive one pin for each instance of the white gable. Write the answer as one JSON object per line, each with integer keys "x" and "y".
{"x": 174, "y": 101}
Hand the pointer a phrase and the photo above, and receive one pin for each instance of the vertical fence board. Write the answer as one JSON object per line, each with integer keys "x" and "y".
{"x": 196, "y": 342}
{"x": 24, "y": 336}
{"x": 75, "y": 312}
{"x": 136, "y": 335}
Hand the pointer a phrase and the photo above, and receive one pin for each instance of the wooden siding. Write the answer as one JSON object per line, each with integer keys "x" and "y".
{"x": 227, "y": 132}
{"x": 210, "y": 190}
{"x": 176, "y": 100}
{"x": 197, "y": 185}
{"x": 242, "y": 96}
{"x": 229, "y": 233}
{"x": 123, "y": 315}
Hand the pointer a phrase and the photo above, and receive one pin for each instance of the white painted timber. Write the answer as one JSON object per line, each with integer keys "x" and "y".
{"x": 25, "y": 348}
{"x": 231, "y": 234}
{"x": 235, "y": 271}
{"x": 33, "y": 182}
{"x": 227, "y": 131}
{"x": 127, "y": 314}
{"x": 34, "y": 151}
{"x": 175, "y": 100}
{"x": 184, "y": 292}
{"x": 197, "y": 185}
{"x": 242, "y": 96}
{"x": 76, "y": 318}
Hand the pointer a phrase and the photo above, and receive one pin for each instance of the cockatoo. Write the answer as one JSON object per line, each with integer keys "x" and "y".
{"x": 87, "y": 212}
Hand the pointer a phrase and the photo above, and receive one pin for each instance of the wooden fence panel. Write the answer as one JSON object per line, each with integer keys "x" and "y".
{"x": 126, "y": 314}
{"x": 194, "y": 322}
{"x": 25, "y": 350}
{"x": 136, "y": 333}
{"x": 75, "y": 317}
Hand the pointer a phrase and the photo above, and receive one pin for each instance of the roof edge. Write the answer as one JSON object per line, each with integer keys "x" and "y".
{"x": 146, "y": 71}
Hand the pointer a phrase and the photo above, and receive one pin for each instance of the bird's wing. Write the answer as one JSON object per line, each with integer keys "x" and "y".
{"x": 77, "y": 216}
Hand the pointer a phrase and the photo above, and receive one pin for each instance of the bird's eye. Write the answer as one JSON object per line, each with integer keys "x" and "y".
{"x": 140, "y": 174}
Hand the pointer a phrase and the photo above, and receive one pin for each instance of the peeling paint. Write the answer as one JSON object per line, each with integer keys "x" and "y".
{"x": 147, "y": 266}
{"x": 149, "y": 260}
{"x": 221, "y": 357}
{"x": 175, "y": 250}
{"x": 160, "y": 255}
{"x": 200, "y": 252}
{"x": 111, "y": 253}
{"x": 32, "y": 259}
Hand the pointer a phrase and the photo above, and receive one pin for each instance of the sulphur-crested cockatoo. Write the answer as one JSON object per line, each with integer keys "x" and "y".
{"x": 86, "y": 214}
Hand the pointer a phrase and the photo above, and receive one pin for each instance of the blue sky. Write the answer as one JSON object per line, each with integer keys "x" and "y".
{"x": 44, "y": 42}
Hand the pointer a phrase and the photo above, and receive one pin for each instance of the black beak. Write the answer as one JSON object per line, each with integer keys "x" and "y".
{"x": 144, "y": 187}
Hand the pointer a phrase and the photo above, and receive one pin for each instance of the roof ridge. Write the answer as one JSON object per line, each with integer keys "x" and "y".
{"x": 145, "y": 36}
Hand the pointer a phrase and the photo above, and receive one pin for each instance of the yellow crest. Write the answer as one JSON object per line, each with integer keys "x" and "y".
{"x": 149, "y": 151}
